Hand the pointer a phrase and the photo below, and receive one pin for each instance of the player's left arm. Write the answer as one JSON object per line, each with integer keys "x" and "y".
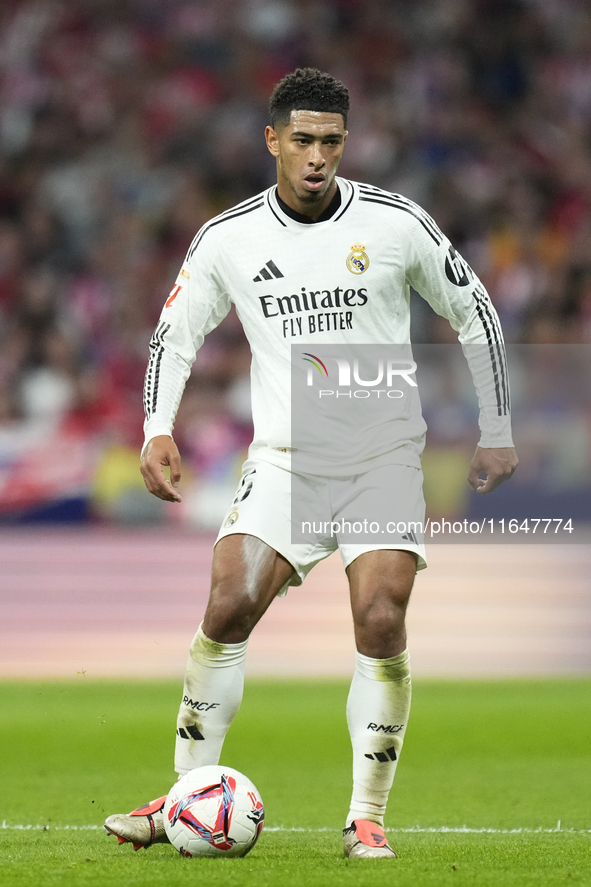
{"x": 497, "y": 464}
{"x": 446, "y": 281}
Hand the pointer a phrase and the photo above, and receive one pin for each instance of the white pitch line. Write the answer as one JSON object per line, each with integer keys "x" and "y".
{"x": 444, "y": 829}
{"x": 47, "y": 828}
{"x": 415, "y": 829}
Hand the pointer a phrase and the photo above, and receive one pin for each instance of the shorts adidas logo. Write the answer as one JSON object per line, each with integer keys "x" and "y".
{"x": 268, "y": 272}
{"x": 383, "y": 757}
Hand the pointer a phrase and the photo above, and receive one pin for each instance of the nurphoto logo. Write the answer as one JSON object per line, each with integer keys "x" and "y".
{"x": 385, "y": 371}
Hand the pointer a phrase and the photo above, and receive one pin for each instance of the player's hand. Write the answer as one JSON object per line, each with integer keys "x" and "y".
{"x": 159, "y": 452}
{"x": 497, "y": 463}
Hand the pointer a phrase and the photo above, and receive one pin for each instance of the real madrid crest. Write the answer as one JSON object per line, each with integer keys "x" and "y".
{"x": 231, "y": 519}
{"x": 357, "y": 260}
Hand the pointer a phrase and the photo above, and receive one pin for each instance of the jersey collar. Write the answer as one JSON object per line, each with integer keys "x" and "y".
{"x": 289, "y": 218}
{"x": 306, "y": 220}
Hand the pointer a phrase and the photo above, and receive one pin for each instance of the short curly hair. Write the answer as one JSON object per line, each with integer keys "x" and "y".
{"x": 307, "y": 89}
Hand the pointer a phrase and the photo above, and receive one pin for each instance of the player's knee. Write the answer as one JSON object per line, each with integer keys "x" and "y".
{"x": 229, "y": 619}
{"x": 380, "y": 629}
{"x": 381, "y": 613}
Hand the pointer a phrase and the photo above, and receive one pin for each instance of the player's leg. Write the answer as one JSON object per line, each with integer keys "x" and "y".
{"x": 379, "y": 699}
{"x": 380, "y": 583}
{"x": 246, "y": 575}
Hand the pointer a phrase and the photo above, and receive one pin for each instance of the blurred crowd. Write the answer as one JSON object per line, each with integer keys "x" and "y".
{"x": 126, "y": 124}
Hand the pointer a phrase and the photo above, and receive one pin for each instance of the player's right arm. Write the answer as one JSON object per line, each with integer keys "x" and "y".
{"x": 159, "y": 452}
{"x": 197, "y": 303}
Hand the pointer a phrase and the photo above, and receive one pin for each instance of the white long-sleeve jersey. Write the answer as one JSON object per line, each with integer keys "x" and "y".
{"x": 342, "y": 281}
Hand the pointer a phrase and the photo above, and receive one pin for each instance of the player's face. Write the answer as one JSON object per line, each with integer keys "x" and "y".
{"x": 308, "y": 152}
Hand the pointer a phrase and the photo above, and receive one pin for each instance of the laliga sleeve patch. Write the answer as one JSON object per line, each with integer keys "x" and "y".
{"x": 457, "y": 270}
{"x": 173, "y": 294}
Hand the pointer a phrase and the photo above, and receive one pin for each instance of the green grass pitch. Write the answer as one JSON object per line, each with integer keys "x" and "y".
{"x": 512, "y": 757}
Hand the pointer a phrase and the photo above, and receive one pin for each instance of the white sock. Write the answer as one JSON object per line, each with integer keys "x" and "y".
{"x": 377, "y": 714}
{"x": 212, "y": 693}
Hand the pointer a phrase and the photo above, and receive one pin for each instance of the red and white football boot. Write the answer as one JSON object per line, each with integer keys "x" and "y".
{"x": 366, "y": 840}
{"x": 142, "y": 827}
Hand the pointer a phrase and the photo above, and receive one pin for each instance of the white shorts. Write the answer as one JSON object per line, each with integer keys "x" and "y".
{"x": 262, "y": 507}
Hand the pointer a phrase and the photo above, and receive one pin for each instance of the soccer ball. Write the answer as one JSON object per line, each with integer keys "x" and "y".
{"x": 213, "y": 811}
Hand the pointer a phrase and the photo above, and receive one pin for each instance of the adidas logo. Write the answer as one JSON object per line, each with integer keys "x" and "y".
{"x": 383, "y": 757}
{"x": 379, "y": 840}
{"x": 410, "y": 537}
{"x": 189, "y": 732}
{"x": 268, "y": 272}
